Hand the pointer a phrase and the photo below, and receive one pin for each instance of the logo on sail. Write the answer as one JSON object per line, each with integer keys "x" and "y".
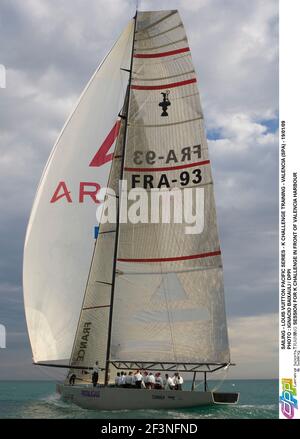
{"x": 101, "y": 157}
{"x": 83, "y": 341}
{"x": 165, "y": 103}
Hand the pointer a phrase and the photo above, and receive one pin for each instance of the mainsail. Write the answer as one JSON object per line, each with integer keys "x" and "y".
{"x": 154, "y": 293}
{"x": 169, "y": 299}
{"x": 60, "y": 235}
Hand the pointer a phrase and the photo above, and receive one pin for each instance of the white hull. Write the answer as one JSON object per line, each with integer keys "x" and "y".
{"x": 114, "y": 398}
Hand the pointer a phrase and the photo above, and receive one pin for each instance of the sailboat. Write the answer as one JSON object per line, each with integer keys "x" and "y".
{"x": 128, "y": 295}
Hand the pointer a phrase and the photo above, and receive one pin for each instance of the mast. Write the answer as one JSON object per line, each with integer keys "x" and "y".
{"x": 127, "y": 99}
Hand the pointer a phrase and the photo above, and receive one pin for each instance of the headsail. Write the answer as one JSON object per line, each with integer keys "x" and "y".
{"x": 168, "y": 300}
{"x": 60, "y": 235}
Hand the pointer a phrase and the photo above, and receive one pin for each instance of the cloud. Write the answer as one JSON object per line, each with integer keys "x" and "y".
{"x": 254, "y": 347}
{"x": 50, "y": 50}
{"x": 195, "y": 5}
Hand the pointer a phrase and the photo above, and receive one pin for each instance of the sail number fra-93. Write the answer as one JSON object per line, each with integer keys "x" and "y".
{"x": 148, "y": 181}
{"x": 150, "y": 157}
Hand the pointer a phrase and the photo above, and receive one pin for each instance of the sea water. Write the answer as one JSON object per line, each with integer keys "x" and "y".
{"x": 38, "y": 399}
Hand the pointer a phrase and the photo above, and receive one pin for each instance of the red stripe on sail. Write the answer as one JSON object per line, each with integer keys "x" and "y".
{"x": 168, "y": 168}
{"x": 173, "y": 259}
{"x": 101, "y": 155}
{"x": 158, "y": 55}
{"x": 165, "y": 86}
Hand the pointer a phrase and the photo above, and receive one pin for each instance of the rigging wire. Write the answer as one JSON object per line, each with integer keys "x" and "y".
{"x": 52, "y": 375}
{"x": 223, "y": 372}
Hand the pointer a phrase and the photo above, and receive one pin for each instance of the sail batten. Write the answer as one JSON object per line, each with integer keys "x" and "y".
{"x": 163, "y": 45}
{"x": 154, "y": 23}
{"x": 159, "y": 34}
{"x": 164, "y": 78}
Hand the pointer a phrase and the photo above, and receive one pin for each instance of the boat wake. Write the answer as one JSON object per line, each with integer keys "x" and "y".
{"x": 52, "y": 406}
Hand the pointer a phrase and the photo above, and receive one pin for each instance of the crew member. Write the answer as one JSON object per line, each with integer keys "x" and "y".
{"x": 158, "y": 381}
{"x": 72, "y": 379}
{"x": 129, "y": 380}
{"x": 151, "y": 380}
{"x": 95, "y": 374}
{"x": 169, "y": 382}
{"x": 123, "y": 379}
{"x": 117, "y": 379}
{"x": 146, "y": 380}
{"x": 138, "y": 377}
{"x": 178, "y": 381}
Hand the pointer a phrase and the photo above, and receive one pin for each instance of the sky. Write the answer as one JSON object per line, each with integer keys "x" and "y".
{"x": 50, "y": 50}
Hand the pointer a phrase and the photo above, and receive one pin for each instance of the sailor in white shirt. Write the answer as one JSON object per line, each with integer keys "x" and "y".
{"x": 178, "y": 381}
{"x": 151, "y": 380}
{"x": 123, "y": 379}
{"x": 146, "y": 380}
{"x": 129, "y": 380}
{"x": 169, "y": 382}
{"x": 138, "y": 377}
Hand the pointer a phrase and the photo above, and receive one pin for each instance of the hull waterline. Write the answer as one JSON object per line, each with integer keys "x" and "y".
{"x": 114, "y": 398}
